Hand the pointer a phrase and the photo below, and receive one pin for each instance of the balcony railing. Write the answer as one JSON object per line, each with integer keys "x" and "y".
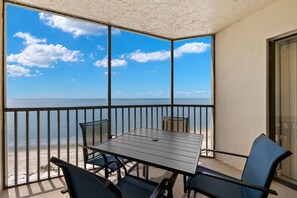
{"x": 33, "y": 135}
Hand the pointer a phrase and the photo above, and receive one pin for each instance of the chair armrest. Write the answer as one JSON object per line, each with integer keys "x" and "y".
{"x": 238, "y": 182}
{"x": 94, "y": 152}
{"x": 118, "y": 161}
{"x": 159, "y": 191}
{"x": 224, "y": 152}
{"x": 106, "y": 165}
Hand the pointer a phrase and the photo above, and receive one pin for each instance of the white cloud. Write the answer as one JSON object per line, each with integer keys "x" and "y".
{"x": 115, "y": 31}
{"x": 17, "y": 71}
{"x": 189, "y": 93}
{"x": 188, "y": 48}
{"x": 100, "y": 47}
{"x": 91, "y": 56}
{"x": 143, "y": 57}
{"x": 28, "y": 38}
{"x": 114, "y": 62}
{"x": 112, "y": 73}
{"x": 39, "y": 54}
{"x": 139, "y": 56}
{"x": 75, "y": 27}
{"x": 44, "y": 55}
{"x": 157, "y": 93}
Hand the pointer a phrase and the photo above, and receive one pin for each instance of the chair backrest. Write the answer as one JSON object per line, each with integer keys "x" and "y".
{"x": 92, "y": 133}
{"x": 180, "y": 124}
{"x": 261, "y": 164}
{"x": 82, "y": 183}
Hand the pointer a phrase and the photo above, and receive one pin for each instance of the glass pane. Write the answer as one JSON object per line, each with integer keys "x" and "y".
{"x": 286, "y": 103}
{"x": 193, "y": 71}
{"x": 50, "y": 58}
{"x": 140, "y": 69}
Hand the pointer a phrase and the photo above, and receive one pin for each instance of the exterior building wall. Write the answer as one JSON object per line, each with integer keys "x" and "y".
{"x": 242, "y": 77}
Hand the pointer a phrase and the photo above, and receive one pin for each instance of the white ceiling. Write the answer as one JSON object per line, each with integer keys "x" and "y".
{"x": 165, "y": 18}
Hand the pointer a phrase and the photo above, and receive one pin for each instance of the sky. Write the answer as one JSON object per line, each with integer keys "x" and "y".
{"x": 49, "y": 56}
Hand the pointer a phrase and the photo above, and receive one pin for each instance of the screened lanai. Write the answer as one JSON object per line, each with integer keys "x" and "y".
{"x": 238, "y": 107}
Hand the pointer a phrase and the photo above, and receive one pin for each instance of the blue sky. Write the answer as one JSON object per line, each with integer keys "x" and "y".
{"x": 50, "y": 56}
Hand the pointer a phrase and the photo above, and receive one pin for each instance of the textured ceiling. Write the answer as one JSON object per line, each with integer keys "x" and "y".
{"x": 165, "y": 18}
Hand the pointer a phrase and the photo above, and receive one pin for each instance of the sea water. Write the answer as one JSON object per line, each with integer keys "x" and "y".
{"x": 54, "y": 126}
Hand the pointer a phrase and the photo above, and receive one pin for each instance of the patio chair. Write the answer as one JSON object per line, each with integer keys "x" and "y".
{"x": 93, "y": 133}
{"x": 256, "y": 177}
{"x": 82, "y": 183}
{"x": 180, "y": 124}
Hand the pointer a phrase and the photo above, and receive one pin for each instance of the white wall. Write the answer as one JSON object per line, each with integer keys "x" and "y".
{"x": 241, "y": 76}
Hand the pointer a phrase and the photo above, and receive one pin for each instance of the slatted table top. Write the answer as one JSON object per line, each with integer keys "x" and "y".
{"x": 174, "y": 151}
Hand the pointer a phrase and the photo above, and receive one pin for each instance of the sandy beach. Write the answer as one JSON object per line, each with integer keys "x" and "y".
{"x": 43, "y": 157}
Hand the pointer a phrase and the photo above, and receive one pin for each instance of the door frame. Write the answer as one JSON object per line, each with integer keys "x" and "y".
{"x": 271, "y": 118}
{"x": 271, "y": 80}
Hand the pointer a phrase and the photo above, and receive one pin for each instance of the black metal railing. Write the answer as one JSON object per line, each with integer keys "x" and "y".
{"x": 33, "y": 135}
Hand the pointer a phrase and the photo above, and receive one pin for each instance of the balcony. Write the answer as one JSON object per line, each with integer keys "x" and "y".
{"x": 241, "y": 33}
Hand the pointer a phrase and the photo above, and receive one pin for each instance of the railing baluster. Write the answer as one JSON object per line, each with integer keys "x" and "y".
{"x": 189, "y": 117}
{"x": 16, "y": 148}
{"x": 200, "y": 120}
{"x": 68, "y": 136}
{"x": 122, "y": 120}
{"x": 177, "y": 114}
{"x": 162, "y": 116}
{"x": 129, "y": 119}
{"x": 135, "y": 118}
{"x": 93, "y": 128}
{"x": 85, "y": 121}
{"x": 38, "y": 145}
{"x": 157, "y": 117}
{"x": 27, "y": 147}
{"x": 152, "y": 119}
{"x": 48, "y": 143}
{"x": 195, "y": 120}
{"x": 59, "y": 138}
{"x": 146, "y": 118}
{"x": 116, "y": 121}
{"x": 206, "y": 128}
{"x": 140, "y": 117}
{"x": 76, "y": 137}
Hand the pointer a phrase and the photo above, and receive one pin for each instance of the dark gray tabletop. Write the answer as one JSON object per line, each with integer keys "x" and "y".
{"x": 174, "y": 151}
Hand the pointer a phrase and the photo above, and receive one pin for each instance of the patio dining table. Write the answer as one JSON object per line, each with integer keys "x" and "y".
{"x": 174, "y": 151}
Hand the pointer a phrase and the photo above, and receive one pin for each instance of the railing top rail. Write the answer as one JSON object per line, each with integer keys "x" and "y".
{"x": 12, "y": 109}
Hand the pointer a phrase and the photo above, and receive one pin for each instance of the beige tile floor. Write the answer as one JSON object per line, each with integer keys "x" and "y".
{"x": 51, "y": 188}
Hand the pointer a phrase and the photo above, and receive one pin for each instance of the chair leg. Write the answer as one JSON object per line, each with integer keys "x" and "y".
{"x": 106, "y": 172}
{"x": 189, "y": 193}
{"x": 185, "y": 179}
{"x": 137, "y": 170}
{"x": 147, "y": 172}
{"x": 143, "y": 171}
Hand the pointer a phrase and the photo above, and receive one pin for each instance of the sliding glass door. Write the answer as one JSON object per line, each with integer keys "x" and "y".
{"x": 285, "y": 93}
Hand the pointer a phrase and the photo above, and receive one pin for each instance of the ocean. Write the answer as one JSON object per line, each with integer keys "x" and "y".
{"x": 49, "y": 126}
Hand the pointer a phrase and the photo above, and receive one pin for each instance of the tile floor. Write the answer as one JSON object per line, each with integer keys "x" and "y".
{"x": 51, "y": 188}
